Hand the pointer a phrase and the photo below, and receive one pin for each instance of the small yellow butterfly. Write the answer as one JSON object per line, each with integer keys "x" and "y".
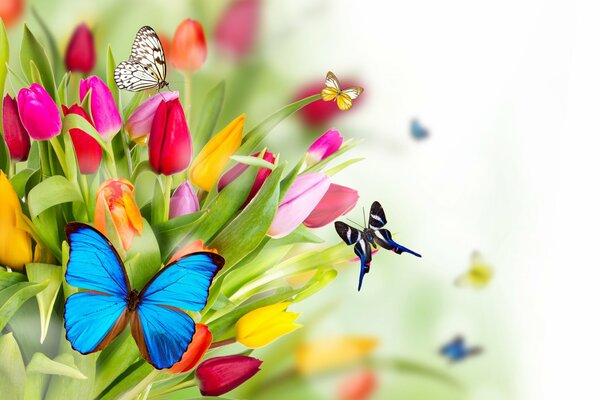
{"x": 344, "y": 97}
{"x": 479, "y": 274}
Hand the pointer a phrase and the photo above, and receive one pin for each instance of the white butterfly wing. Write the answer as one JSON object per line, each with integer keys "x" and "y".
{"x": 134, "y": 77}
{"x": 353, "y": 92}
{"x": 332, "y": 81}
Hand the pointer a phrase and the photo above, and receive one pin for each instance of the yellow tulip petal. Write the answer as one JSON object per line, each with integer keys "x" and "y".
{"x": 332, "y": 353}
{"x": 15, "y": 242}
{"x": 253, "y": 320}
{"x": 268, "y": 335}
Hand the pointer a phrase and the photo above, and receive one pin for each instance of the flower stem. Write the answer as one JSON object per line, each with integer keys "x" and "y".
{"x": 187, "y": 92}
{"x": 222, "y": 343}
{"x": 167, "y": 196}
{"x": 134, "y": 392}
{"x": 60, "y": 155}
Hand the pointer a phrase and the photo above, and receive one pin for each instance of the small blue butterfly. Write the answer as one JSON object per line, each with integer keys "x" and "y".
{"x": 456, "y": 350}
{"x": 106, "y": 304}
{"x": 418, "y": 131}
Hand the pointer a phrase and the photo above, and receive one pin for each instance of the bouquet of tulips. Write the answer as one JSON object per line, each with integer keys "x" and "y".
{"x": 159, "y": 179}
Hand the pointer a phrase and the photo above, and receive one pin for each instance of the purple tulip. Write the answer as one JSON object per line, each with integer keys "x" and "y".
{"x": 15, "y": 135}
{"x": 327, "y": 144}
{"x": 139, "y": 122}
{"x": 38, "y": 113}
{"x": 220, "y": 375}
{"x": 184, "y": 201}
{"x": 102, "y": 106}
{"x": 300, "y": 200}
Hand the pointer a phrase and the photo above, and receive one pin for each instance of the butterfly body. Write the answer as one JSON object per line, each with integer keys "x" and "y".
{"x": 343, "y": 98}
{"x": 418, "y": 131}
{"x": 372, "y": 235}
{"x": 106, "y": 303}
{"x": 456, "y": 350}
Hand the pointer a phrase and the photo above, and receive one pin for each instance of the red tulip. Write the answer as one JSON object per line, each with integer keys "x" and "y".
{"x": 237, "y": 29}
{"x": 15, "y": 135}
{"x": 81, "y": 52}
{"x": 170, "y": 143}
{"x": 88, "y": 151}
{"x": 319, "y": 113}
{"x": 238, "y": 169}
{"x": 359, "y": 386}
{"x": 10, "y": 11}
{"x": 219, "y": 375}
{"x": 199, "y": 345}
{"x": 338, "y": 201}
{"x": 188, "y": 50}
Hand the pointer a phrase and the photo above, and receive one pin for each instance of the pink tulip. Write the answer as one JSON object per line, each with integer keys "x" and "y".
{"x": 299, "y": 201}
{"x": 238, "y": 169}
{"x": 327, "y": 144}
{"x": 319, "y": 113}
{"x": 219, "y": 375}
{"x": 338, "y": 201}
{"x": 184, "y": 201}
{"x": 15, "y": 135}
{"x": 139, "y": 122}
{"x": 237, "y": 29}
{"x": 102, "y": 106}
{"x": 38, "y": 113}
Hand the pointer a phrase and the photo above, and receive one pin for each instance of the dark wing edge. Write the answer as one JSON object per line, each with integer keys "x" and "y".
{"x": 363, "y": 250}
{"x": 383, "y": 237}
{"x": 347, "y": 233}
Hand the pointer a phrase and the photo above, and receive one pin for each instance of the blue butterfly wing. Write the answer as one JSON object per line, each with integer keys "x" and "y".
{"x": 363, "y": 250}
{"x": 417, "y": 130}
{"x": 94, "y": 263}
{"x": 383, "y": 237}
{"x": 92, "y": 320}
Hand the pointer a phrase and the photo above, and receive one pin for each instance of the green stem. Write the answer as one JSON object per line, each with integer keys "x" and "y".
{"x": 85, "y": 192}
{"x": 111, "y": 164}
{"x": 12, "y": 168}
{"x": 134, "y": 392}
{"x": 187, "y": 93}
{"x": 60, "y": 154}
{"x": 182, "y": 385}
{"x": 44, "y": 162}
{"x": 167, "y": 196}
{"x": 222, "y": 343}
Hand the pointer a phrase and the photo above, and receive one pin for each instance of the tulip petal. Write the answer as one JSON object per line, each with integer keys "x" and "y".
{"x": 198, "y": 347}
{"x": 332, "y": 353}
{"x": 15, "y": 243}
{"x": 236, "y": 31}
{"x": 105, "y": 114}
{"x": 139, "y": 123}
{"x": 184, "y": 201}
{"x": 327, "y": 144}
{"x": 81, "y": 52}
{"x": 220, "y": 375}
{"x": 188, "y": 50}
{"x": 338, "y": 201}
{"x": 14, "y": 132}
{"x": 38, "y": 113}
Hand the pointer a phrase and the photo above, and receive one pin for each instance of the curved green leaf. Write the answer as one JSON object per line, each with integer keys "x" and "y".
{"x": 19, "y": 181}
{"x": 209, "y": 115}
{"x": 50, "y": 192}
{"x": 46, "y": 298}
{"x": 32, "y": 50}
{"x": 14, "y": 296}
{"x": 253, "y": 161}
{"x": 10, "y": 278}
{"x": 63, "y": 365}
{"x": 12, "y": 369}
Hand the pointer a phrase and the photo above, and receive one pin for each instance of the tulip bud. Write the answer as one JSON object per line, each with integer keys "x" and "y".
{"x": 88, "y": 151}
{"x": 15, "y": 243}
{"x": 102, "y": 107}
{"x": 11, "y": 11}
{"x": 327, "y": 144}
{"x": 14, "y": 132}
{"x": 184, "y": 201}
{"x": 338, "y": 201}
{"x": 301, "y": 198}
{"x": 81, "y": 53}
{"x": 219, "y": 375}
{"x": 198, "y": 346}
{"x": 330, "y": 353}
{"x": 38, "y": 113}
{"x": 236, "y": 30}
{"x": 263, "y": 325}
{"x": 170, "y": 143}
{"x": 359, "y": 386}
{"x": 210, "y": 162}
{"x": 188, "y": 50}
{"x": 239, "y": 168}
{"x": 139, "y": 123}
{"x": 116, "y": 197}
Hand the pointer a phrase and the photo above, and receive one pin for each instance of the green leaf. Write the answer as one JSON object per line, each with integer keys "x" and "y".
{"x": 4, "y": 55}
{"x": 289, "y": 178}
{"x": 157, "y": 202}
{"x": 4, "y": 155}
{"x": 114, "y": 360}
{"x": 346, "y": 146}
{"x": 14, "y": 296}
{"x": 253, "y": 138}
{"x": 33, "y": 161}
{"x": 143, "y": 258}
{"x": 136, "y": 376}
{"x": 135, "y": 101}
{"x": 32, "y": 50}
{"x": 12, "y": 369}
{"x": 19, "y": 181}
{"x": 46, "y": 298}
{"x": 63, "y": 365}
{"x": 299, "y": 235}
{"x": 56, "y": 58}
{"x": 253, "y": 161}
{"x": 210, "y": 112}
{"x": 62, "y": 88}
{"x": 322, "y": 278}
{"x": 71, "y": 121}
{"x": 171, "y": 234}
{"x": 342, "y": 166}
{"x": 110, "y": 76}
{"x": 50, "y": 192}
{"x": 10, "y": 278}
{"x": 64, "y": 387}
{"x": 35, "y": 73}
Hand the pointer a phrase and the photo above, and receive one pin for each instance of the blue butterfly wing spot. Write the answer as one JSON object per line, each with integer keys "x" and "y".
{"x": 383, "y": 237}
{"x": 363, "y": 250}
{"x": 90, "y": 318}
{"x": 165, "y": 334}
{"x": 93, "y": 262}
{"x": 417, "y": 130}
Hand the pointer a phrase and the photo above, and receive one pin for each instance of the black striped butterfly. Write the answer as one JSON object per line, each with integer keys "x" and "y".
{"x": 146, "y": 67}
{"x": 372, "y": 235}
{"x": 456, "y": 350}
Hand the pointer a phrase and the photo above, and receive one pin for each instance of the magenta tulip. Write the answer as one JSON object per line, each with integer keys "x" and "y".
{"x": 338, "y": 201}
{"x": 170, "y": 143}
{"x": 238, "y": 169}
{"x": 327, "y": 144}
{"x": 15, "y": 135}
{"x": 299, "y": 201}
{"x": 87, "y": 150}
{"x": 139, "y": 122}
{"x": 236, "y": 31}
{"x": 81, "y": 52}
{"x": 184, "y": 201}
{"x": 38, "y": 113}
{"x": 102, "y": 106}
{"x": 219, "y": 375}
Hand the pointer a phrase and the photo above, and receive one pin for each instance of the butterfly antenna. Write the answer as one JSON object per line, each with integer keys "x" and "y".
{"x": 364, "y": 218}
{"x": 355, "y": 223}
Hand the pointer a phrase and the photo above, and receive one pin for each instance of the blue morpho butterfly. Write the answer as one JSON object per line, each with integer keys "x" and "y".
{"x": 373, "y": 235}
{"x": 456, "y": 350}
{"x": 418, "y": 131}
{"x": 100, "y": 312}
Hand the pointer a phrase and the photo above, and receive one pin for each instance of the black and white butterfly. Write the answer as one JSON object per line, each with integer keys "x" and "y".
{"x": 372, "y": 235}
{"x": 146, "y": 67}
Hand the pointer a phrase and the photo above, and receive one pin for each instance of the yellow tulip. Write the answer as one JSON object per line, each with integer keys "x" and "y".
{"x": 209, "y": 164}
{"x": 265, "y": 324}
{"x": 332, "y": 353}
{"x": 15, "y": 243}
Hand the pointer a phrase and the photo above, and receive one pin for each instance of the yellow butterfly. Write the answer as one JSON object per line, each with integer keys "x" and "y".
{"x": 479, "y": 274}
{"x": 344, "y": 97}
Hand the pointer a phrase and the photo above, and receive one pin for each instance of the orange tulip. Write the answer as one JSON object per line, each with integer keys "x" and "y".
{"x": 116, "y": 197}
{"x": 188, "y": 49}
{"x": 200, "y": 343}
{"x": 11, "y": 11}
{"x": 193, "y": 247}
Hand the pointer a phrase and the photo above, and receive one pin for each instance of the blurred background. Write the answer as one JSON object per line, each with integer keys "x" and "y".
{"x": 508, "y": 93}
